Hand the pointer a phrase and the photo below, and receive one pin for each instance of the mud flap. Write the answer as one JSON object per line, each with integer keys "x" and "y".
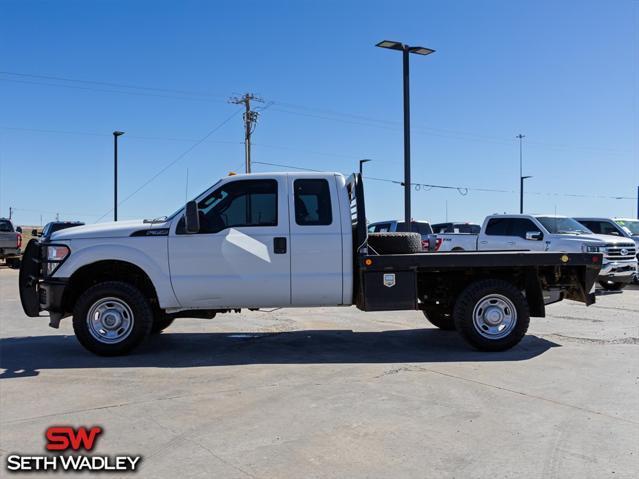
{"x": 585, "y": 292}
{"x": 28, "y": 279}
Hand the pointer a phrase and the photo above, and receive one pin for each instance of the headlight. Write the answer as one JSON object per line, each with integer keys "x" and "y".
{"x": 55, "y": 255}
{"x": 589, "y": 248}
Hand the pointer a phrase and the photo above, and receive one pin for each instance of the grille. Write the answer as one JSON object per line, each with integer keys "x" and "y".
{"x": 620, "y": 252}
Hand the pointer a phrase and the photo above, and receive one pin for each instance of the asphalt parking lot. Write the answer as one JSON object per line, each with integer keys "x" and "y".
{"x": 334, "y": 392}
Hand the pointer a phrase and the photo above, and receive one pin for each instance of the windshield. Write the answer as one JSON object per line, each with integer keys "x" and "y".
{"x": 5, "y": 226}
{"x": 175, "y": 213}
{"x": 561, "y": 226}
{"x": 632, "y": 226}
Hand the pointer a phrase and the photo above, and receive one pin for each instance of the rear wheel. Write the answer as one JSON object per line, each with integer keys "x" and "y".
{"x": 112, "y": 318}
{"x": 610, "y": 286}
{"x": 491, "y": 315}
{"x": 442, "y": 320}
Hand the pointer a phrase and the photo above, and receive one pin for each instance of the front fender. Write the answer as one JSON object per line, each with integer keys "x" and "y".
{"x": 150, "y": 256}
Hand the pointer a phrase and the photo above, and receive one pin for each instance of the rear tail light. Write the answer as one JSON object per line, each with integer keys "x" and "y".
{"x": 19, "y": 241}
{"x": 426, "y": 244}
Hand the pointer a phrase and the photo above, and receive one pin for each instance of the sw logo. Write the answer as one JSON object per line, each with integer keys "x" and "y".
{"x": 67, "y": 441}
{"x": 62, "y": 438}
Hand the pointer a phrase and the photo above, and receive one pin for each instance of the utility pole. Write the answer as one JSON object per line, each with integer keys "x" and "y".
{"x": 250, "y": 120}
{"x": 10, "y": 212}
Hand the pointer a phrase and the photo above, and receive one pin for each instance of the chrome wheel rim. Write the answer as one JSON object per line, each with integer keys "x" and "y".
{"x": 110, "y": 320}
{"x": 494, "y": 316}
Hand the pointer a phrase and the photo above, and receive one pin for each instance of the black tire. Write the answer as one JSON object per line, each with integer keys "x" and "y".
{"x": 140, "y": 318}
{"x": 395, "y": 243}
{"x": 612, "y": 286}
{"x": 442, "y": 320}
{"x": 161, "y": 322}
{"x": 479, "y": 294}
{"x": 13, "y": 262}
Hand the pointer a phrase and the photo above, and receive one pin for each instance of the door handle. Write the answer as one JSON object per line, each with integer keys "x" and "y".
{"x": 510, "y": 243}
{"x": 279, "y": 245}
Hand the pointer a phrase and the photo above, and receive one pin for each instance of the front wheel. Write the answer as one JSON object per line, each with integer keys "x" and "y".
{"x": 112, "y": 318}
{"x": 491, "y": 315}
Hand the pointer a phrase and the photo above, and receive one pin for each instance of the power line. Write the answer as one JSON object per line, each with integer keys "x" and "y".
{"x": 359, "y": 119}
{"x": 288, "y": 148}
{"x": 103, "y": 90}
{"x": 95, "y": 133}
{"x": 286, "y": 166}
{"x": 116, "y": 85}
{"x": 178, "y": 158}
{"x": 462, "y": 190}
{"x": 438, "y": 132}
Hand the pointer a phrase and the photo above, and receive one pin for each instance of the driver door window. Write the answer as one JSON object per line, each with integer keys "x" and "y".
{"x": 241, "y": 203}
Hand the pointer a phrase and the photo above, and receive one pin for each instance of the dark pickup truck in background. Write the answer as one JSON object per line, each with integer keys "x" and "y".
{"x": 10, "y": 243}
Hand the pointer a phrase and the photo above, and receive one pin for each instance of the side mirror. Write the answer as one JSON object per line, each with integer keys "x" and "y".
{"x": 534, "y": 235}
{"x": 34, "y": 232}
{"x": 192, "y": 218}
{"x": 19, "y": 229}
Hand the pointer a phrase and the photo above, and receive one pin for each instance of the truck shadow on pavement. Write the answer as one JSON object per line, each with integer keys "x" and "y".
{"x": 24, "y": 357}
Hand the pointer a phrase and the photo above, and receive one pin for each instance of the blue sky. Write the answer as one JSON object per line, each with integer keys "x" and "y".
{"x": 565, "y": 74}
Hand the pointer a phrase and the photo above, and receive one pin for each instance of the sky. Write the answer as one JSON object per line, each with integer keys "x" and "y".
{"x": 564, "y": 74}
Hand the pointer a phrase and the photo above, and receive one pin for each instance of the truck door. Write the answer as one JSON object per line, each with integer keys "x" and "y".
{"x": 241, "y": 256}
{"x": 316, "y": 241}
{"x": 512, "y": 234}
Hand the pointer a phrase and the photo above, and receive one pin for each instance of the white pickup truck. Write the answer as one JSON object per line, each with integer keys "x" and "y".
{"x": 282, "y": 240}
{"x": 553, "y": 233}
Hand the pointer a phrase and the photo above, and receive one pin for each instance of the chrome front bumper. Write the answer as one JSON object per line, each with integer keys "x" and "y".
{"x": 618, "y": 271}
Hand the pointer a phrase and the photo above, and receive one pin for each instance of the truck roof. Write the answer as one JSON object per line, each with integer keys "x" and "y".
{"x": 282, "y": 174}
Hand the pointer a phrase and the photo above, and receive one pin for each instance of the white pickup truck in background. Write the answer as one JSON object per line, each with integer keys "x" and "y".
{"x": 283, "y": 240}
{"x": 456, "y": 236}
{"x": 553, "y": 233}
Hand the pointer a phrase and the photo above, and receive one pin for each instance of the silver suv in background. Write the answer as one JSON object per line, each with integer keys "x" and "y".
{"x": 621, "y": 227}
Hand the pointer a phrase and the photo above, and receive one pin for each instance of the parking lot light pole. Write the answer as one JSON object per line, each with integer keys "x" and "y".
{"x": 521, "y": 173}
{"x": 115, "y": 173}
{"x": 521, "y": 193}
{"x": 406, "y": 50}
{"x": 361, "y": 165}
